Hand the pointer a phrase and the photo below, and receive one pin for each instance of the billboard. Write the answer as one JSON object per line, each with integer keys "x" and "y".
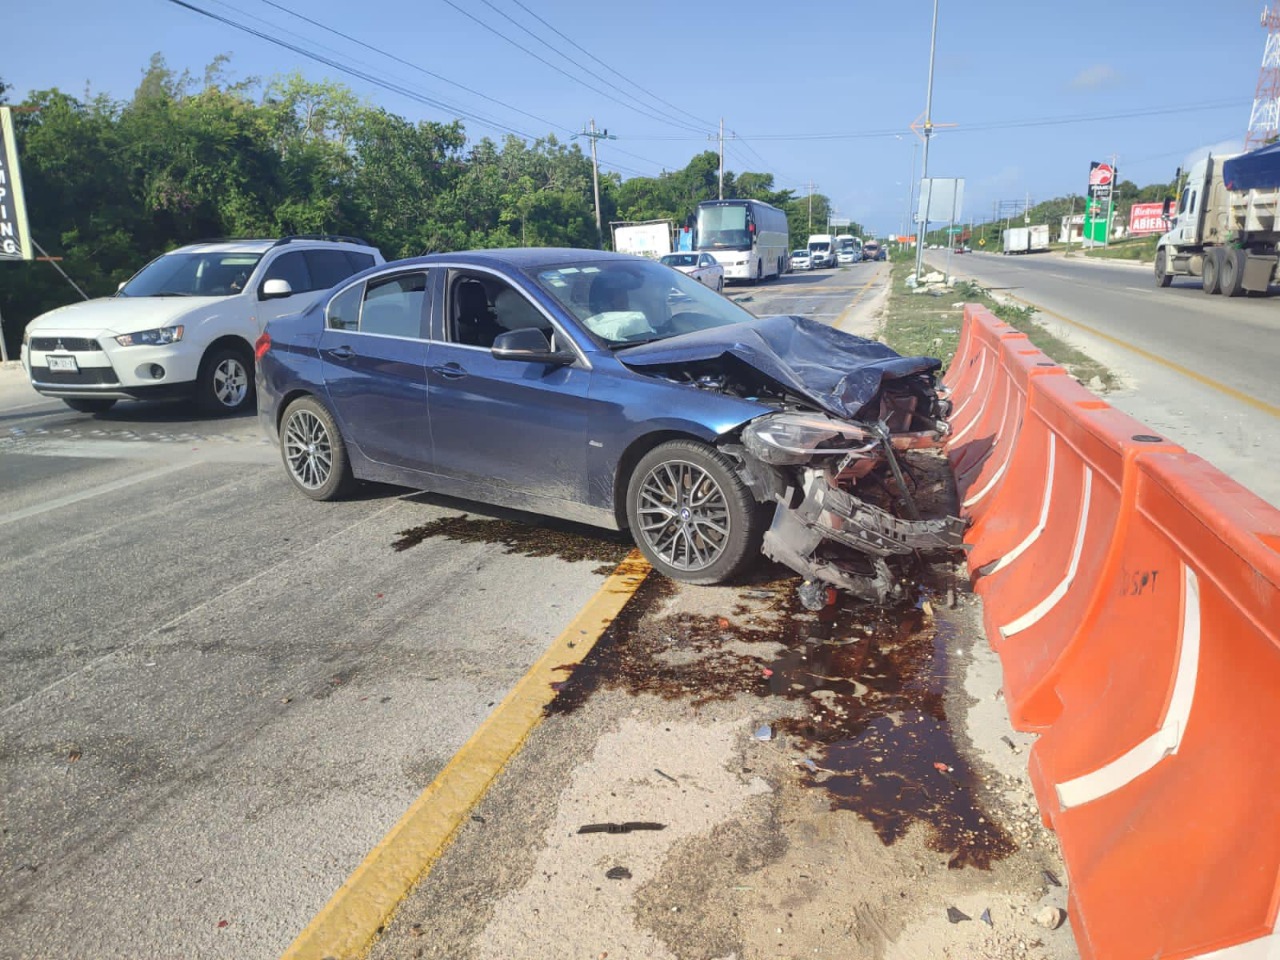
{"x": 940, "y": 199}
{"x": 1147, "y": 218}
{"x": 651, "y": 239}
{"x": 15, "y": 238}
{"x": 1099, "y": 209}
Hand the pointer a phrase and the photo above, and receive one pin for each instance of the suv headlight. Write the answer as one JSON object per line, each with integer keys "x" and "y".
{"x": 151, "y": 338}
{"x": 792, "y": 438}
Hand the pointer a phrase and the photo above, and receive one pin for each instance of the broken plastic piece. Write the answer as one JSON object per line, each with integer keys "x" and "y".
{"x": 955, "y": 916}
{"x": 942, "y": 767}
{"x": 810, "y": 764}
{"x": 618, "y": 873}
{"x": 764, "y": 732}
{"x": 986, "y": 917}
{"x": 1050, "y": 879}
{"x": 627, "y": 827}
{"x": 665, "y": 776}
{"x": 767, "y": 673}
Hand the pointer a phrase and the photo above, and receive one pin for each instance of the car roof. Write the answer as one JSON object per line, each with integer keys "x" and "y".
{"x": 522, "y": 258}
{"x": 261, "y": 246}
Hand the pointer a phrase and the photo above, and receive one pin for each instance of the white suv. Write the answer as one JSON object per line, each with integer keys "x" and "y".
{"x": 186, "y": 323}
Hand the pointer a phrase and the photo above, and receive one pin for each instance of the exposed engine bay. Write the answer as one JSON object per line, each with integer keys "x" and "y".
{"x": 830, "y": 455}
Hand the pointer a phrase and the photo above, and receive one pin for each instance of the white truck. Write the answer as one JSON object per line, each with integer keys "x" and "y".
{"x": 1226, "y": 228}
{"x": 1032, "y": 239}
{"x": 822, "y": 250}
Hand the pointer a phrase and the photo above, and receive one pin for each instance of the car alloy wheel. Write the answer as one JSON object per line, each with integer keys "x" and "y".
{"x": 684, "y": 517}
{"x": 230, "y": 382}
{"x": 308, "y": 450}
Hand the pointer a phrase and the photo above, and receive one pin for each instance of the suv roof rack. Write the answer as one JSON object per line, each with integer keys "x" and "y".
{"x": 329, "y": 237}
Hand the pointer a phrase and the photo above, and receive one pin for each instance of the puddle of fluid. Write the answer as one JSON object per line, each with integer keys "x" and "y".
{"x": 528, "y": 540}
{"x": 872, "y": 681}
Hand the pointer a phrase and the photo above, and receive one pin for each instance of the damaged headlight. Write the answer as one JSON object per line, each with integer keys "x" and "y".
{"x": 792, "y": 438}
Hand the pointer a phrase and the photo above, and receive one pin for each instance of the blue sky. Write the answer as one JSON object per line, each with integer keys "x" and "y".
{"x": 815, "y": 94}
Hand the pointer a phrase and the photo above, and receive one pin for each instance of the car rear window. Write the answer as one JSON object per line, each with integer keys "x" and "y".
{"x": 329, "y": 267}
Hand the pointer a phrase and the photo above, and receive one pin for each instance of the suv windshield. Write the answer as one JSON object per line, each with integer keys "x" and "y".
{"x": 623, "y": 303}
{"x": 193, "y": 275}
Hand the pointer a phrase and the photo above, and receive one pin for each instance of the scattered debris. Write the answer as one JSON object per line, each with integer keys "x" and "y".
{"x": 618, "y": 873}
{"x": 416, "y": 930}
{"x": 1051, "y": 917}
{"x": 627, "y": 827}
{"x": 722, "y": 622}
{"x": 1050, "y": 879}
{"x": 942, "y": 767}
{"x": 1010, "y": 744}
{"x": 665, "y": 776}
{"x": 477, "y": 818}
{"x": 808, "y": 762}
{"x": 986, "y": 917}
{"x": 766, "y": 673}
{"x": 222, "y": 923}
{"x": 956, "y": 916}
{"x": 74, "y": 755}
{"x": 764, "y": 732}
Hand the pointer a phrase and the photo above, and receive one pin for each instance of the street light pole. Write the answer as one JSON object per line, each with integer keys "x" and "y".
{"x": 928, "y": 132}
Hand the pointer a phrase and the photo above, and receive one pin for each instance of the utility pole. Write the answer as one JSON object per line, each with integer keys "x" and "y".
{"x": 811, "y": 185}
{"x": 928, "y": 132}
{"x": 1111, "y": 200}
{"x": 911, "y": 188}
{"x": 721, "y": 138}
{"x": 593, "y": 135}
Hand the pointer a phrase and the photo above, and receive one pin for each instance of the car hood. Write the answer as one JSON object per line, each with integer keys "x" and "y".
{"x": 836, "y": 371}
{"x": 118, "y": 314}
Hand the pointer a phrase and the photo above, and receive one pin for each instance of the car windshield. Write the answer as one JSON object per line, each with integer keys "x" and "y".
{"x": 681, "y": 260}
{"x": 819, "y": 247}
{"x": 625, "y": 302}
{"x": 192, "y": 275}
{"x": 799, "y": 253}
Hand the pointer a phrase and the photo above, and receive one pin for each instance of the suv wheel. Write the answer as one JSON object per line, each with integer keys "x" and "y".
{"x": 225, "y": 383}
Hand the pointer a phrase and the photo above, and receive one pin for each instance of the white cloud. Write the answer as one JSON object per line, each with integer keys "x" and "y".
{"x": 1217, "y": 149}
{"x": 1096, "y": 77}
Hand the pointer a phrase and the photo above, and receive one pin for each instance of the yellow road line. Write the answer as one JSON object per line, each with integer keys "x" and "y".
{"x": 354, "y": 916}
{"x": 844, "y": 314}
{"x": 1268, "y": 408}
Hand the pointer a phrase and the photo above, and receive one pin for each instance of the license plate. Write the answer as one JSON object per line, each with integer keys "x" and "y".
{"x": 63, "y": 365}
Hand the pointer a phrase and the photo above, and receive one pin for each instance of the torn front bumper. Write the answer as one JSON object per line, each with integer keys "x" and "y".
{"x": 828, "y": 515}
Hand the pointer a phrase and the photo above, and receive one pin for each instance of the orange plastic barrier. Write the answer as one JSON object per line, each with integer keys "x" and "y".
{"x": 1160, "y": 774}
{"x": 1133, "y": 594}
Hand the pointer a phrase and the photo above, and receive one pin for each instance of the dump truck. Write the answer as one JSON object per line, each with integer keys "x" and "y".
{"x": 1226, "y": 224}
{"x": 1031, "y": 239}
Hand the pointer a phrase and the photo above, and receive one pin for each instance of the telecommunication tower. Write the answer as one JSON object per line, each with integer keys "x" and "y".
{"x": 1264, "y": 118}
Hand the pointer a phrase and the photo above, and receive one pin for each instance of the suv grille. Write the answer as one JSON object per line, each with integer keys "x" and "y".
{"x": 70, "y": 344}
{"x": 86, "y": 377}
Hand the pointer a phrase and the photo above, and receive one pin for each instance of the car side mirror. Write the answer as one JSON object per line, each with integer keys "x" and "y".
{"x": 121, "y": 285}
{"x": 275, "y": 290}
{"x": 531, "y": 346}
{"x": 1168, "y": 205}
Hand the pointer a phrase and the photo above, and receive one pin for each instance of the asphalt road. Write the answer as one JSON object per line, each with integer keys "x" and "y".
{"x": 217, "y": 696}
{"x": 1199, "y": 369}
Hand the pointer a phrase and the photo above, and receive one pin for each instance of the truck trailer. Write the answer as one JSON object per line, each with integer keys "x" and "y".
{"x": 1226, "y": 227}
{"x": 1033, "y": 239}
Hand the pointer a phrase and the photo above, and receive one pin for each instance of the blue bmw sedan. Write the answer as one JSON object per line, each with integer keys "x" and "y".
{"x": 613, "y": 391}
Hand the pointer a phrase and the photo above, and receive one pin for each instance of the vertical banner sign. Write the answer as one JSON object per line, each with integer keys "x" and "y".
{"x": 15, "y": 238}
{"x": 1098, "y": 206}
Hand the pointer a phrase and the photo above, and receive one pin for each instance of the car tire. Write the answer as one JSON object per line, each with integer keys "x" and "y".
{"x": 225, "y": 382}
{"x": 720, "y": 285}
{"x": 1163, "y": 276}
{"x": 1233, "y": 273}
{"x": 313, "y": 451}
{"x": 713, "y": 526}
{"x": 89, "y": 404}
{"x": 1211, "y": 272}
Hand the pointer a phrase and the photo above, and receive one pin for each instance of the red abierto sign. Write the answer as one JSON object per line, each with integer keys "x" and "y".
{"x": 1147, "y": 218}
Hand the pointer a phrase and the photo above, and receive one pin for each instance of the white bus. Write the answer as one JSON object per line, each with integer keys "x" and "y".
{"x": 748, "y": 238}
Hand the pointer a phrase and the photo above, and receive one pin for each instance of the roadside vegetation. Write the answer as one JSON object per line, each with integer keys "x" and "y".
{"x": 1135, "y": 248}
{"x": 112, "y": 183}
{"x": 917, "y": 324}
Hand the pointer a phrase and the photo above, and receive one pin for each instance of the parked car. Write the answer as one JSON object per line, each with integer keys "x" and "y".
{"x": 800, "y": 260}
{"x": 610, "y": 390}
{"x": 703, "y": 267}
{"x": 184, "y": 325}
{"x": 847, "y": 256}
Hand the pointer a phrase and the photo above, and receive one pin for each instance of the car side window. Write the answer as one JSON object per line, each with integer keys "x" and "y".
{"x": 482, "y": 307}
{"x": 344, "y": 309}
{"x": 395, "y": 306}
{"x": 292, "y": 268}
{"x": 328, "y": 268}
{"x": 359, "y": 261}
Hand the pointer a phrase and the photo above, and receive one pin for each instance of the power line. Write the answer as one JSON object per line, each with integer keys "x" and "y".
{"x": 676, "y": 121}
{"x": 576, "y": 46}
{"x": 407, "y": 63}
{"x": 354, "y": 72}
{"x": 543, "y": 60}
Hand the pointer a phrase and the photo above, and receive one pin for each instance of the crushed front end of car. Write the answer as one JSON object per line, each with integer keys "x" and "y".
{"x": 843, "y": 415}
{"x": 845, "y": 510}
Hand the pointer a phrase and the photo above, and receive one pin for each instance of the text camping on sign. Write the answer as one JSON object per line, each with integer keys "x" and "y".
{"x": 15, "y": 238}
{"x": 1147, "y": 218}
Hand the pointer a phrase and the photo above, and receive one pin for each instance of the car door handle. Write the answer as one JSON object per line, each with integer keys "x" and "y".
{"x": 450, "y": 371}
{"x": 342, "y": 353}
